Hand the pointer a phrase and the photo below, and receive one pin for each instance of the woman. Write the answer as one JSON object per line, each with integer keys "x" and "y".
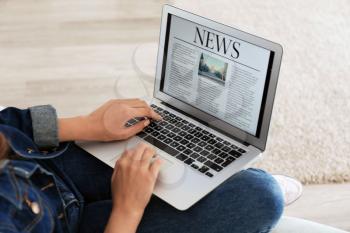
{"x": 48, "y": 184}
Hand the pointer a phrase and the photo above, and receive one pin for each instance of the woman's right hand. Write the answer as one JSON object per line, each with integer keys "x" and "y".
{"x": 133, "y": 182}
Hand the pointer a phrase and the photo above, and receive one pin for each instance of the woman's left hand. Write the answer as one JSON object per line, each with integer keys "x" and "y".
{"x": 107, "y": 123}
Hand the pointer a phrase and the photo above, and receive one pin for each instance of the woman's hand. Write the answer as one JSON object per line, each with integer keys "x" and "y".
{"x": 107, "y": 123}
{"x": 133, "y": 182}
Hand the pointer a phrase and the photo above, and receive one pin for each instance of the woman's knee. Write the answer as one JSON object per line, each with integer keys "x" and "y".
{"x": 265, "y": 198}
{"x": 251, "y": 198}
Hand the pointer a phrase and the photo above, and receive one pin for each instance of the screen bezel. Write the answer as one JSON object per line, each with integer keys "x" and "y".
{"x": 258, "y": 141}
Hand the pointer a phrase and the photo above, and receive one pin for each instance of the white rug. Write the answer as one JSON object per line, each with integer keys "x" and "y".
{"x": 310, "y": 131}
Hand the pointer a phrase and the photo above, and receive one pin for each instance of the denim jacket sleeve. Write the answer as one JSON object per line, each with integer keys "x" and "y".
{"x": 6, "y": 224}
{"x": 38, "y": 123}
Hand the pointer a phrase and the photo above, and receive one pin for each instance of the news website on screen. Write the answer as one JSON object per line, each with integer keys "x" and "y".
{"x": 216, "y": 73}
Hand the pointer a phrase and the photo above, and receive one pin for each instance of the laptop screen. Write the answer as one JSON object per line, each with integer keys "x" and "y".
{"x": 217, "y": 73}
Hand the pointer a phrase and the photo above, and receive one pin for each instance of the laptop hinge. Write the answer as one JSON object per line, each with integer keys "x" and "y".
{"x": 206, "y": 124}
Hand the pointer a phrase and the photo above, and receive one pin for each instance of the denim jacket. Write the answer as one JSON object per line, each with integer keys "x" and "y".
{"x": 34, "y": 195}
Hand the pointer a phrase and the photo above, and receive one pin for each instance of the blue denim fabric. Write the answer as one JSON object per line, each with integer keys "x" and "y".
{"x": 80, "y": 199}
{"x": 34, "y": 179}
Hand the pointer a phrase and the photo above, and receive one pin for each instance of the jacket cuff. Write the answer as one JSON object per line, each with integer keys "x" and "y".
{"x": 45, "y": 126}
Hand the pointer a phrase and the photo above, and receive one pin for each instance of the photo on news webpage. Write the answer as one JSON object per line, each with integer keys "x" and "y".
{"x": 219, "y": 74}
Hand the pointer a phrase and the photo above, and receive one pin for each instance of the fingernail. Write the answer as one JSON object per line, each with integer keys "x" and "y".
{"x": 146, "y": 122}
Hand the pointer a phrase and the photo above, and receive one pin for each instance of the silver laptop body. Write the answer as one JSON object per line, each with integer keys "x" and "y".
{"x": 214, "y": 83}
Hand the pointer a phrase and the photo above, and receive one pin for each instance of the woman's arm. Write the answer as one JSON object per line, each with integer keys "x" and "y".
{"x": 107, "y": 123}
{"x": 133, "y": 182}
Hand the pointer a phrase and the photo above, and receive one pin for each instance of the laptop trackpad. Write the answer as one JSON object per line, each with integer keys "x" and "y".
{"x": 171, "y": 172}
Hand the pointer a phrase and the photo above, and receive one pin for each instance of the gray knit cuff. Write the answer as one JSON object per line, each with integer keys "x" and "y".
{"x": 45, "y": 126}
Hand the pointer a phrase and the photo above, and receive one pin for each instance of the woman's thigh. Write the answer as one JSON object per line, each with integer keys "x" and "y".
{"x": 91, "y": 176}
{"x": 250, "y": 201}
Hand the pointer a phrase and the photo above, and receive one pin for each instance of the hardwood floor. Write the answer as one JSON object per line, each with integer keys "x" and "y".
{"x": 77, "y": 54}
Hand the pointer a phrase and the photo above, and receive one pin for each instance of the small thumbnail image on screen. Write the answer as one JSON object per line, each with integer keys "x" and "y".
{"x": 212, "y": 68}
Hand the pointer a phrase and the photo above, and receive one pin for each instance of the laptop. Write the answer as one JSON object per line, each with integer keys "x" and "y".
{"x": 214, "y": 87}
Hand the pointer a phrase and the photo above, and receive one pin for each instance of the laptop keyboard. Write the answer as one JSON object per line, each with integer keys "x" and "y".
{"x": 203, "y": 151}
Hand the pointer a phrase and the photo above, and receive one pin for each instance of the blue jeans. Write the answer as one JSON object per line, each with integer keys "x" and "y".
{"x": 250, "y": 201}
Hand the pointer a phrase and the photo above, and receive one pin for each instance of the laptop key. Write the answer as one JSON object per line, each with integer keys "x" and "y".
{"x": 192, "y": 131}
{"x": 167, "y": 141}
{"x": 205, "y": 138}
{"x": 223, "y": 155}
{"x": 202, "y": 144}
{"x": 161, "y": 137}
{"x": 241, "y": 150}
{"x": 187, "y": 151}
{"x": 197, "y": 149}
{"x": 158, "y": 128}
{"x": 213, "y": 166}
{"x": 191, "y": 145}
{"x": 163, "y": 123}
{"x": 204, "y": 153}
{"x": 201, "y": 159}
{"x": 185, "y": 127}
{"x": 180, "y": 148}
{"x": 177, "y": 138}
{"x": 226, "y": 148}
{"x": 235, "y": 153}
{"x": 194, "y": 155}
{"x": 211, "y": 141}
{"x": 194, "y": 166}
{"x": 164, "y": 131}
{"x": 203, "y": 169}
{"x": 155, "y": 133}
{"x": 195, "y": 140}
{"x": 169, "y": 127}
{"x": 227, "y": 162}
{"x": 174, "y": 144}
{"x": 184, "y": 142}
{"x": 191, "y": 125}
{"x": 179, "y": 124}
{"x": 216, "y": 151}
{"x": 142, "y": 134}
{"x": 148, "y": 130}
{"x": 183, "y": 134}
{"x": 161, "y": 145}
{"x": 219, "y": 145}
{"x": 171, "y": 135}
{"x": 218, "y": 160}
{"x": 205, "y": 132}
{"x": 181, "y": 157}
{"x": 189, "y": 161}
{"x": 226, "y": 143}
{"x": 198, "y": 134}
{"x": 189, "y": 136}
{"x": 176, "y": 130}
{"x": 209, "y": 174}
{"x": 211, "y": 157}
{"x": 209, "y": 147}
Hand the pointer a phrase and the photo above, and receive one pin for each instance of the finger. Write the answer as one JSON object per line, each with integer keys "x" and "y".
{"x": 155, "y": 167}
{"x": 147, "y": 156}
{"x": 127, "y": 154}
{"x": 138, "y": 151}
{"x": 145, "y": 112}
{"x": 135, "y": 129}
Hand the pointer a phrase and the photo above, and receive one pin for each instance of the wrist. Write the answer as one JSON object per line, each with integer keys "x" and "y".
{"x": 74, "y": 128}
{"x": 123, "y": 221}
